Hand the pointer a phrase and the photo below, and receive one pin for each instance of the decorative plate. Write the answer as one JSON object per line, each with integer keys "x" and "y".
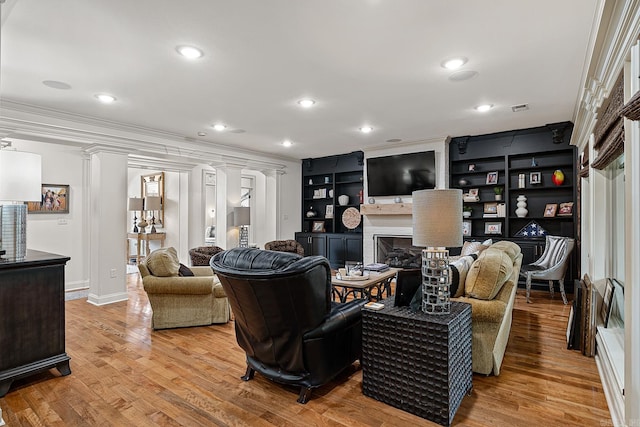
{"x": 351, "y": 218}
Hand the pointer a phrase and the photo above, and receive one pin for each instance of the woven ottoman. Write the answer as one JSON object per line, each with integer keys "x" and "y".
{"x": 417, "y": 362}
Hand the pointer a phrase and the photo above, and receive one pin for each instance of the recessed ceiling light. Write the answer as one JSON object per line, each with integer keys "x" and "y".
{"x": 219, "y": 127}
{"x": 105, "y": 98}
{"x": 366, "y": 129}
{"x": 394, "y": 140}
{"x": 306, "y": 103}
{"x": 454, "y": 63}
{"x": 287, "y": 143}
{"x": 56, "y": 84}
{"x": 484, "y": 107}
{"x": 190, "y": 52}
{"x": 202, "y": 134}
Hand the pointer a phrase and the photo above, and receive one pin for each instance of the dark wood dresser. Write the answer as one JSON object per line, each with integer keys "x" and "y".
{"x": 32, "y": 317}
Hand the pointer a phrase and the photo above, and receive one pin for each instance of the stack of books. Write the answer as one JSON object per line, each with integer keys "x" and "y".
{"x": 379, "y": 267}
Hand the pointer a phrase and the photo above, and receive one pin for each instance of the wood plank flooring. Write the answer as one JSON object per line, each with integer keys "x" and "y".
{"x": 125, "y": 374}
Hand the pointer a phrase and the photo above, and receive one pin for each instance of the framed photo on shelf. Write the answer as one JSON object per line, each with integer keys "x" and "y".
{"x": 566, "y": 209}
{"x": 54, "y": 199}
{"x": 605, "y": 308}
{"x": 473, "y": 192}
{"x": 317, "y": 227}
{"x": 491, "y": 208}
{"x": 466, "y": 228}
{"x": 550, "y": 210}
{"x": 535, "y": 178}
{"x": 328, "y": 212}
{"x": 492, "y": 177}
{"x": 492, "y": 228}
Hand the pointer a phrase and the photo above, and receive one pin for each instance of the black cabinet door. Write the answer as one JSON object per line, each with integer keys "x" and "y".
{"x": 313, "y": 244}
{"x": 353, "y": 247}
{"x": 342, "y": 248}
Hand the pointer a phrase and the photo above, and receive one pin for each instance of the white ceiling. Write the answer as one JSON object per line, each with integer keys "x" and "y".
{"x": 373, "y": 62}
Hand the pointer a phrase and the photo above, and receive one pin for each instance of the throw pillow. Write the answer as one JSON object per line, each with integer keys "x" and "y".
{"x": 459, "y": 270}
{"x": 510, "y": 248}
{"x": 184, "y": 271}
{"x": 163, "y": 262}
{"x": 488, "y": 274}
{"x": 469, "y": 248}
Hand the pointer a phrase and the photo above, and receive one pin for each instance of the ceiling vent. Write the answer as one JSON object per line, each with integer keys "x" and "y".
{"x": 519, "y": 107}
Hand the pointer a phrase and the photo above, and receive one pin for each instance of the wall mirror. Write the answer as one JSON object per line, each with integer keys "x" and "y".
{"x": 153, "y": 186}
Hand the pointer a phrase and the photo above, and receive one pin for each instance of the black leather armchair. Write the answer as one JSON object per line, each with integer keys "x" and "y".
{"x": 285, "y": 320}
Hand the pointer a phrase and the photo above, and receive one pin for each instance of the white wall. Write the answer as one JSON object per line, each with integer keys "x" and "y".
{"x": 62, "y": 234}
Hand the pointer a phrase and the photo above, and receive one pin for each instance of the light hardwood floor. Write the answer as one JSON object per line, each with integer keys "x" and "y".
{"x": 125, "y": 374}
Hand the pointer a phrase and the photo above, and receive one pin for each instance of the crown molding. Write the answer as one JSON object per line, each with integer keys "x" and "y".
{"x": 24, "y": 121}
{"x": 615, "y": 30}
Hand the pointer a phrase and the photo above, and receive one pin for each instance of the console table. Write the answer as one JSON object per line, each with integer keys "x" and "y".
{"x": 32, "y": 326}
{"x": 417, "y": 362}
{"x": 146, "y": 237}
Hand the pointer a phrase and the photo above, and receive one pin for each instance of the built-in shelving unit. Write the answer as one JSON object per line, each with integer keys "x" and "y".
{"x": 521, "y": 163}
{"x": 330, "y": 186}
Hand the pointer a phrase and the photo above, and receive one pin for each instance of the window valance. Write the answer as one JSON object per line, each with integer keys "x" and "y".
{"x": 609, "y": 130}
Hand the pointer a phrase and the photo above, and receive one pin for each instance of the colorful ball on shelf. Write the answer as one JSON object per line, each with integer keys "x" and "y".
{"x": 557, "y": 177}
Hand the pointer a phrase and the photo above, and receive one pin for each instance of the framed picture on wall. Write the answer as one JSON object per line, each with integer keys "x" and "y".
{"x": 54, "y": 199}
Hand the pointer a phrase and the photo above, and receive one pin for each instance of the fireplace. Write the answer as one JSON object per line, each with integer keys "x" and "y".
{"x": 397, "y": 251}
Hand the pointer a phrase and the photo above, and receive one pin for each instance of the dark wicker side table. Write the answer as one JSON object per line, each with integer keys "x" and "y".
{"x": 417, "y": 362}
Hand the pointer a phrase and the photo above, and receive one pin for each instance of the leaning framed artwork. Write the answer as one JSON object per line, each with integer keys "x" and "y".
{"x": 54, "y": 198}
{"x": 317, "y": 227}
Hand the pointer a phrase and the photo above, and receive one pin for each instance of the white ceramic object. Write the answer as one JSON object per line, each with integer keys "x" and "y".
{"x": 343, "y": 200}
{"x": 521, "y": 211}
{"x": 466, "y": 214}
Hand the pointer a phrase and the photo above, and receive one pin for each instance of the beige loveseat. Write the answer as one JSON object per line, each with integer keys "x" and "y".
{"x": 490, "y": 287}
{"x": 180, "y": 301}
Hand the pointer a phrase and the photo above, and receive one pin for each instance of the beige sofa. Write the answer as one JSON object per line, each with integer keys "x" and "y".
{"x": 181, "y": 301}
{"x": 490, "y": 287}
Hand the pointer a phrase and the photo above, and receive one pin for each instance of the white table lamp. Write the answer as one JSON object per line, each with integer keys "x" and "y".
{"x": 437, "y": 224}
{"x": 20, "y": 181}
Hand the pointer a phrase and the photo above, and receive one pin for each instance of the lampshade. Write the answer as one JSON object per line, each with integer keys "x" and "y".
{"x": 241, "y": 216}
{"x": 20, "y": 176}
{"x": 152, "y": 203}
{"x": 437, "y": 218}
{"x": 135, "y": 203}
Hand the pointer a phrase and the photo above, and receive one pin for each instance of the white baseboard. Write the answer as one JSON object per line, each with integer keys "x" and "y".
{"x": 107, "y": 299}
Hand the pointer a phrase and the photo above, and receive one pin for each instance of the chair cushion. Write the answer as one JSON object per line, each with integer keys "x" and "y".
{"x": 163, "y": 262}
{"x": 488, "y": 273}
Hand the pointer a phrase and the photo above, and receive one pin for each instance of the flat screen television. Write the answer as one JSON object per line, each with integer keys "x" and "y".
{"x": 401, "y": 174}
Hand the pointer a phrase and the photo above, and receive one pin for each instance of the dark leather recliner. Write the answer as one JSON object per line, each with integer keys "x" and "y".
{"x": 285, "y": 321}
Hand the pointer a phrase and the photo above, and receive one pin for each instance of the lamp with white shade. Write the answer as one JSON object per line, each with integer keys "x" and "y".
{"x": 153, "y": 204}
{"x": 135, "y": 204}
{"x": 437, "y": 224}
{"x": 20, "y": 181}
{"x": 242, "y": 219}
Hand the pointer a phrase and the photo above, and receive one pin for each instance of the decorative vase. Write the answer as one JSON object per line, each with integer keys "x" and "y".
{"x": 463, "y": 181}
{"x": 343, "y": 200}
{"x": 522, "y": 211}
{"x": 311, "y": 213}
{"x": 372, "y": 200}
{"x": 397, "y": 200}
{"x": 331, "y": 192}
{"x": 557, "y": 177}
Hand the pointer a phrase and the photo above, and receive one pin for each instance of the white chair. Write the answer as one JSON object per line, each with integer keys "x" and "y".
{"x": 552, "y": 265}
